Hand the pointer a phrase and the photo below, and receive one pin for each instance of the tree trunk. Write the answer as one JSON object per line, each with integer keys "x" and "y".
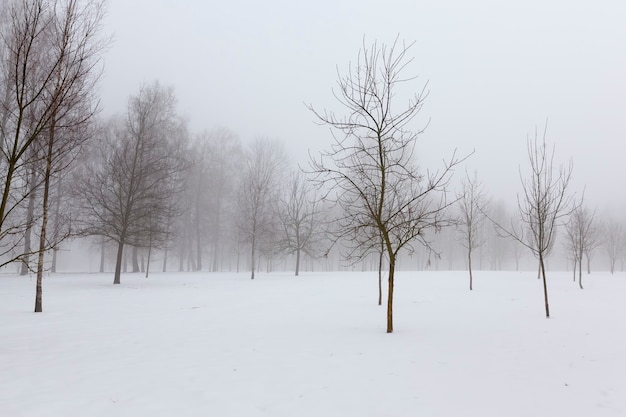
{"x": 297, "y": 261}
{"x": 148, "y": 262}
{"x": 118, "y": 261}
{"x": 30, "y": 218}
{"x": 545, "y": 285}
{"x": 198, "y": 247}
{"x": 135, "y": 259}
{"x": 588, "y": 263}
{"x": 57, "y": 211}
{"x": 580, "y": 272}
{"x": 102, "y": 245}
{"x": 392, "y": 268}
{"x": 44, "y": 222}
{"x": 165, "y": 260}
{"x": 380, "y": 277}
{"x": 252, "y": 255}
{"x": 469, "y": 263}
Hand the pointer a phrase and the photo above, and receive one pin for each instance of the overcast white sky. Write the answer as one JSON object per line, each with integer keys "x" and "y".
{"x": 495, "y": 70}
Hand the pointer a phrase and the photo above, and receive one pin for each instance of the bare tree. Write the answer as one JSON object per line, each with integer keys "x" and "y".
{"x": 29, "y": 97}
{"x": 75, "y": 41}
{"x": 614, "y": 242}
{"x": 472, "y": 206}
{"x": 370, "y": 171}
{"x": 258, "y": 195}
{"x": 543, "y": 206}
{"x": 128, "y": 194}
{"x": 582, "y": 238}
{"x": 299, "y": 211}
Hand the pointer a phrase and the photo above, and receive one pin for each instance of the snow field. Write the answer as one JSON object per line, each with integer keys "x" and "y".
{"x": 196, "y": 344}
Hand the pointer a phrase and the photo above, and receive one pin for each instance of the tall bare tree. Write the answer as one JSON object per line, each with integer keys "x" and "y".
{"x": 614, "y": 241}
{"x": 472, "y": 206}
{"x": 75, "y": 40}
{"x": 582, "y": 238}
{"x": 30, "y": 63}
{"x": 299, "y": 219}
{"x": 370, "y": 170}
{"x": 543, "y": 206}
{"x": 258, "y": 195}
{"x": 128, "y": 194}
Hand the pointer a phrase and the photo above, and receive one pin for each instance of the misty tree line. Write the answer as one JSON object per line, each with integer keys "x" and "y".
{"x": 140, "y": 184}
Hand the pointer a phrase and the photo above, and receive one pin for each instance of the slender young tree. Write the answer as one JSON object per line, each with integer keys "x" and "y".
{"x": 472, "y": 207}
{"x": 258, "y": 195}
{"x": 298, "y": 211}
{"x": 581, "y": 238}
{"x": 370, "y": 171}
{"x": 544, "y": 205}
{"x": 614, "y": 241}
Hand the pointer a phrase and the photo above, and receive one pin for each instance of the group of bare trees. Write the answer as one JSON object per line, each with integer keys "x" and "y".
{"x": 145, "y": 183}
{"x": 50, "y": 54}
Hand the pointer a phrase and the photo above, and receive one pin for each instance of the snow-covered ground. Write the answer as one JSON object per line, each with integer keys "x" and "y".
{"x": 199, "y": 344}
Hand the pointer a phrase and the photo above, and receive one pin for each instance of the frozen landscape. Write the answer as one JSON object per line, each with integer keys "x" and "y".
{"x": 200, "y": 344}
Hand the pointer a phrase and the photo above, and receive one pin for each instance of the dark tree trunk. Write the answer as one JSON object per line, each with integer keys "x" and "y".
{"x": 469, "y": 263}
{"x": 148, "y": 262}
{"x": 252, "y": 255}
{"x": 118, "y": 262}
{"x": 44, "y": 221}
{"x": 545, "y": 285}
{"x": 57, "y": 211}
{"x": 135, "y": 259}
{"x": 165, "y": 260}
{"x": 102, "y": 255}
{"x": 30, "y": 218}
{"x": 380, "y": 276}
{"x": 580, "y": 272}
{"x": 392, "y": 268}
{"x": 297, "y": 261}
{"x": 198, "y": 249}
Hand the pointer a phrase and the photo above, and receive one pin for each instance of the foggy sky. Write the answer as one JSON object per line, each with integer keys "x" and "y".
{"x": 494, "y": 71}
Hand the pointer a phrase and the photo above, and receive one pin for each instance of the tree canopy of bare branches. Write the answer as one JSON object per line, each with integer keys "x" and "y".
{"x": 370, "y": 171}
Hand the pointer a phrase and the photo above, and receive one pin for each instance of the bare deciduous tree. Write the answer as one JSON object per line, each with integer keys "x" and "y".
{"x": 581, "y": 238}
{"x": 472, "y": 206}
{"x": 129, "y": 193}
{"x": 543, "y": 206}
{"x": 298, "y": 211}
{"x": 258, "y": 195}
{"x": 370, "y": 171}
{"x": 614, "y": 242}
{"x": 48, "y": 51}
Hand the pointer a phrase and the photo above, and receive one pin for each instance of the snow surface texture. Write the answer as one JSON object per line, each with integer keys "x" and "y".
{"x": 200, "y": 344}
